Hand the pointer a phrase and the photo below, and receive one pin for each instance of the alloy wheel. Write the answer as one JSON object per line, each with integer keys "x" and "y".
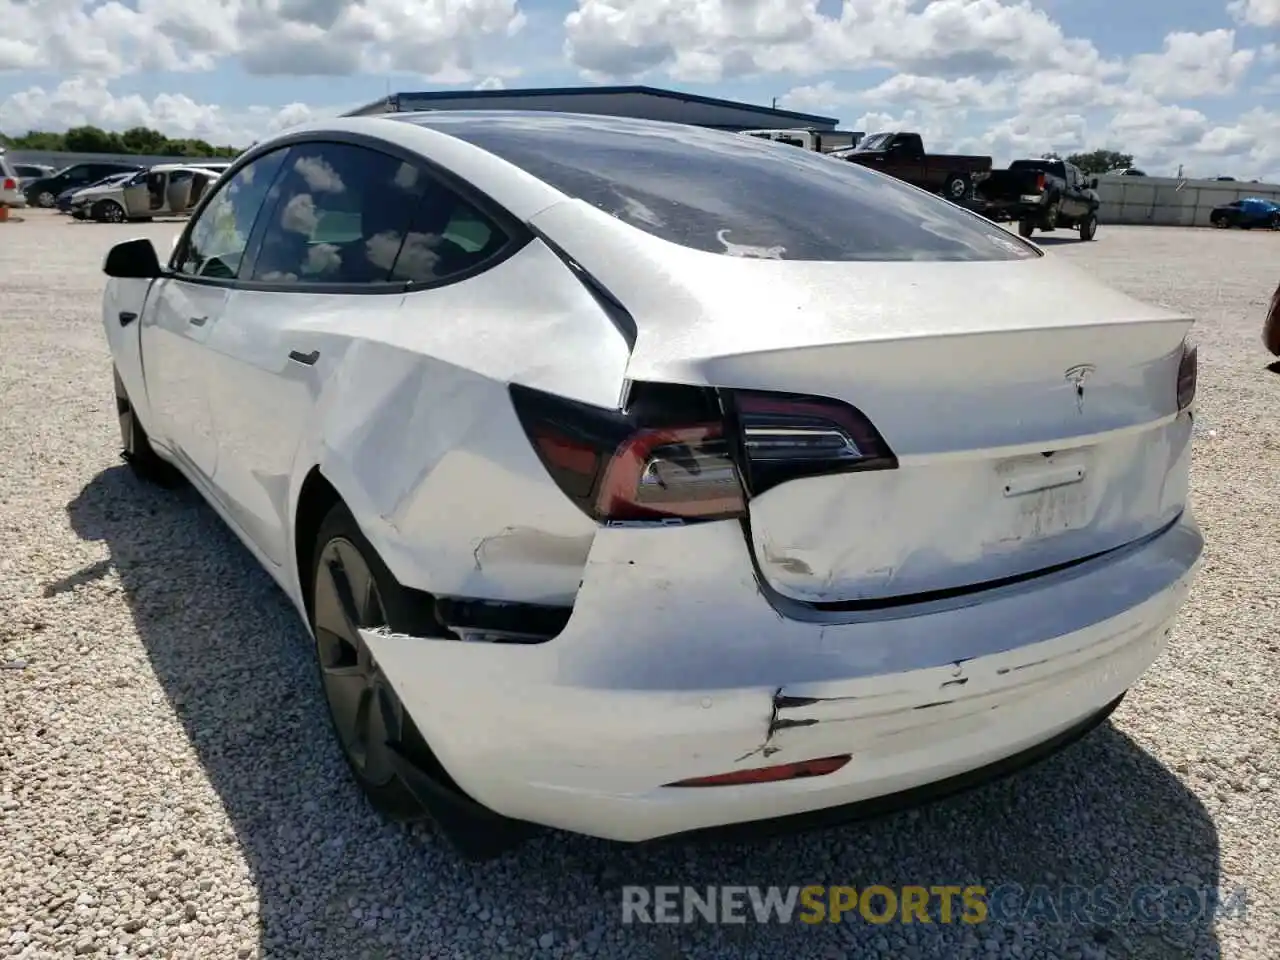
{"x": 366, "y": 712}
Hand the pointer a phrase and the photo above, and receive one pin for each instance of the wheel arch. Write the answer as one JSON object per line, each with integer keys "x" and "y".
{"x": 316, "y": 497}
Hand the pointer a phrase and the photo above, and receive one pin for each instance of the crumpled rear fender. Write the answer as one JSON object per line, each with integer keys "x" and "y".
{"x": 415, "y": 428}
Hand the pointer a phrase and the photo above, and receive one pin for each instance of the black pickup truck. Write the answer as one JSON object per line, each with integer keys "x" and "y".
{"x": 1041, "y": 194}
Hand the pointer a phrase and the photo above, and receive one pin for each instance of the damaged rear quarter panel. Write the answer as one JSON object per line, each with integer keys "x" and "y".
{"x": 414, "y": 427}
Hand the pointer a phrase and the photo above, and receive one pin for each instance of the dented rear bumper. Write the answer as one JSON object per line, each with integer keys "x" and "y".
{"x": 675, "y": 664}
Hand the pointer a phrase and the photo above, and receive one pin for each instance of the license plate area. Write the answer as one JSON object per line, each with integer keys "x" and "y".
{"x": 1043, "y": 496}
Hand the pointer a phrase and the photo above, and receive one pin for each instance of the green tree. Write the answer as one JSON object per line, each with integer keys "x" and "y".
{"x": 143, "y": 140}
{"x": 1100, "y": 161}
{"x": 1050, "y": 156}
{"x": 135, "y": 141}
{"x": 91, "y": 140}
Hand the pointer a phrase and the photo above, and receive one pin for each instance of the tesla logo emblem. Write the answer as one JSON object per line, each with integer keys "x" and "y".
{"x": 1077, "y": 376}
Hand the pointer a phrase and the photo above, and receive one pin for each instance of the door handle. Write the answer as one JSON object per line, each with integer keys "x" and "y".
{"x": 127, "y": 318}
{"x": 304, "y": 358}
{"x": 199, "y": 321}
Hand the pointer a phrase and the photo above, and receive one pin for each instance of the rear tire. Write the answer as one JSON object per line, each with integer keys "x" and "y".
{"x": 45, "y": 199}
{"x": 351, "y": 589}
{"x": 137, "y": 451}
{"x": 1026, "y": 228}
{"x": 957, "y": 187}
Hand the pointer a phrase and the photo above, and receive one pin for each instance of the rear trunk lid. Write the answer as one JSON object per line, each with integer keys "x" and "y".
{"x": 1033, "y": 412}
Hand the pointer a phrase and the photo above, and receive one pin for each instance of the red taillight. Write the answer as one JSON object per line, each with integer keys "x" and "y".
{"x": 665, "y": 458}
{"x": 685, "y": 472}
{"x": 691, "y": 453}
{"x": 10, "y": 183}
{"x": 784, "y": 771}
{"x": 1187, "y": 372}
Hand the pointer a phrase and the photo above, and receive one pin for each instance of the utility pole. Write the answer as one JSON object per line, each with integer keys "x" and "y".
{"x": 775, "y": 103}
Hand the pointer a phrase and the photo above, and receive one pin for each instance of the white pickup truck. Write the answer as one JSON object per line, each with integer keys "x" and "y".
{"x": 820, "y": 141}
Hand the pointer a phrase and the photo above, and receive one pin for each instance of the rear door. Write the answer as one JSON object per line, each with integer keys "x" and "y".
{"x": 321, "y": 261}
{"x": 136, "y": 196}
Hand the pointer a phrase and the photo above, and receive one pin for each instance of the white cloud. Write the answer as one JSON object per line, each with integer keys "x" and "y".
{"x": 1192, "y": 65}
{"x": 714, "y": 39}
{"x": 983, "y": 76}
{"x": 90, "y": 101}
{"x": 433, "y": 38}
{"x": 1257, "y": 13}
{"x": 1086, "y": 114}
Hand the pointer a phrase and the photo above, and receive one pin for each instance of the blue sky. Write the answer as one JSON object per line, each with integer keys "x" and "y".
{"x": 1180, "y": 82}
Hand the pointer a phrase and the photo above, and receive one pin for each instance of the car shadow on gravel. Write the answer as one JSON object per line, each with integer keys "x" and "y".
{"x": 332, "y": 880}
{"x": 1056, "y": 241}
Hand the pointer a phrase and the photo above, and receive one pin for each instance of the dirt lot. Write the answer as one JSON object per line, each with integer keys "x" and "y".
{"x": 169, "y": 787}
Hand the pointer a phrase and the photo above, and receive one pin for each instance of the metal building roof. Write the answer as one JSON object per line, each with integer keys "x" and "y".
{"x": 769, "y": 116}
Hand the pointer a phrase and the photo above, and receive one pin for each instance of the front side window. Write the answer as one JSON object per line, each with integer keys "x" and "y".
{"x": 219, "y": 236}
{"x": 338, "y": 214}
{"x": 732, "y": 195}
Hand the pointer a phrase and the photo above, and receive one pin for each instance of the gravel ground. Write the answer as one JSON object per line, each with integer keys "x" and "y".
{"x": 169, "y": 786}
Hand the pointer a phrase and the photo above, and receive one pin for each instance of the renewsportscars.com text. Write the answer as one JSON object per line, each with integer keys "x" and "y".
{"x": 945, "y": 904}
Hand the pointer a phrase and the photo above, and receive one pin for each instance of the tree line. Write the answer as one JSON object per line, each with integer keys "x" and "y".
{"x": 141, "y": 141}
{"x": 1096, "y": 161}
{"x": 147, "y": 142}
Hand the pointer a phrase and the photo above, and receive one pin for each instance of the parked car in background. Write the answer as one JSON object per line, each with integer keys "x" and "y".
{"x": 44, "y": 192}
{"x": 560, "y": 444}
{"x": 1126, "y": 172}
{"x": 1247, "y": 214}
{"x": 165, "y": 190}
{"x": 1041, "y": 194}
{"x": 28, "y": 173}
{"x": 1271, "y": 326}
{"x": 10, "y": 189}
{"x": 65, "y": 198}
{"x": 902, "y": 155}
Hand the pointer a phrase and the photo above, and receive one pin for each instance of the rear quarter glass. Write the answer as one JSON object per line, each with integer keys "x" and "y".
{"x": 729, "y": 194}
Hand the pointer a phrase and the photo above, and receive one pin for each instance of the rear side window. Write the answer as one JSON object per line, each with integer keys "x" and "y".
{"x": 346, "y": 214}
{"x": 338, "y": 214}
{"x": 729, "y": 194}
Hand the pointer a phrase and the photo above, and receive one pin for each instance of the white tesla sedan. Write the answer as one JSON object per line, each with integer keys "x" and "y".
{"x": 635, "y": 479}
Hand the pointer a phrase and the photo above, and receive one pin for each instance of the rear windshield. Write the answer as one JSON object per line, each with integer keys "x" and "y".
{"x": 732, "y": 194}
